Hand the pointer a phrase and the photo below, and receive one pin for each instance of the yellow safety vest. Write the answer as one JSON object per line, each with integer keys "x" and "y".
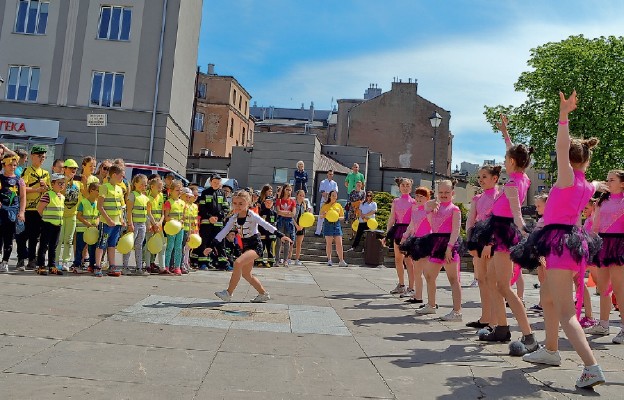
{"x": 190, "y": 216}
{"x": 139, "y": 210}
{"x": 89, "y": 212}
{"x": 113, "y": 201}
{"x": 53, "y": 212}
{"x": 157, "y": 205}
{"x": 177, "y": 209}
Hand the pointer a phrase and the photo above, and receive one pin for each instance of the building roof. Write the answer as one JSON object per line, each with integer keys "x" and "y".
{"x": 262, "y": 113}
{"x": 326, "y": 163}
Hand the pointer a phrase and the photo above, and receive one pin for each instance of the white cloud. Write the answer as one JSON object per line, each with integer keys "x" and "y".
{"x": 461, "y": 74}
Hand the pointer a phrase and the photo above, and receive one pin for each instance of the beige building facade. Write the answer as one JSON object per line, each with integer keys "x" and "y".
{"x": 221, "y": 120}
{"x": 64, "y": 59}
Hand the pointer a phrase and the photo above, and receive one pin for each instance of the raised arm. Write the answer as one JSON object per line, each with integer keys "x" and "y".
{"x": 502, "y": 126}
{"x": 565, "y": 174}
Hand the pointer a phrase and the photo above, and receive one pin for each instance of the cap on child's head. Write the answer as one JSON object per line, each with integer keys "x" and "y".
{"x": 187, "y": 191}
{"x": 70, "y": 163}
{"x": 56, "y": 177}
{"x": 215, "y": 176}
{"x": 39, "y": 149}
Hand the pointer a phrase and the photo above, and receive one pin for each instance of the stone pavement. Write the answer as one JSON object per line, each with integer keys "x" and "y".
{"x": 328, "y": 333}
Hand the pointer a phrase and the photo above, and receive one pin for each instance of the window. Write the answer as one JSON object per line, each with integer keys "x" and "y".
{"x": 541, "y": 176}
{"x": 32, "y": 17}
{"x": 240, "y": 102}
{"x": 114, "y": 23}
{"x": 232, "y": 128}
{"x": 280, "y": 175}
{"x": 198, "y": 124}
{"x": 243, "y": 139}
{"x": 23, "y": 83}
{"x": 107, "y": 89}
{"x": 201, "y": 90}
{"x": 246, "y": 110}
{"x": 234, "y": 97}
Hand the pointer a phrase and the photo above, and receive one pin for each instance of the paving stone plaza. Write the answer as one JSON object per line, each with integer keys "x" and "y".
{"x": 328, "y": 333}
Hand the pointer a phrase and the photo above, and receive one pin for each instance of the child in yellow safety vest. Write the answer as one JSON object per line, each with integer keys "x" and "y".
{"x": 110, "y": 205}
{"x": 87, "y": 216}
{"x": 155, "y": 219}
{"x": 138, "y": 206}
{"x": 50, "y": 207}
{"x": 174, "y": 210}
{"x": 190, "y": 226}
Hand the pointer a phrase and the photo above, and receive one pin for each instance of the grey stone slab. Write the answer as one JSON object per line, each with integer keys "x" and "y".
{"x": 43, "y": 326}
{"x": 152, "y": 335}
{"x": 242, "y": 394}
{"x": 19, "y": 386}
{"x": 294, "y": 376}
{"x": 322, "y": 321}
{"x": 100, "y": 361}
{"x": 203, "y": 322}
{"x": 23, "y": 289}
{"x": 14, "y": 349}
{"x": 261, "y": 326}
{"x": 287, "y": 344}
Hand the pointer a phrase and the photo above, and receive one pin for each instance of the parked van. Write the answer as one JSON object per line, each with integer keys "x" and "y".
{"x": 147, "y": 170}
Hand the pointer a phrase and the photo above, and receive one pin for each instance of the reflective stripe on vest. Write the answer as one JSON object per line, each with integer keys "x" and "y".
{"x": 53, "y": 212}
{"x": 113, "y": 202}
{"x": 89, "y": 212}
{"x": 157, "y": 205}
{"x": 139, "y": 210}
{"x": 177, "y": 209}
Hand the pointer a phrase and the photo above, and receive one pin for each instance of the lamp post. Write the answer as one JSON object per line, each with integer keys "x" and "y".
{"x": 553, "y": 159}
{"x": 435, "y": 120}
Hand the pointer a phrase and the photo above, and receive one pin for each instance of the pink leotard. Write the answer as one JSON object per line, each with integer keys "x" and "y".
{"x": 420, "y": 222}
{"x": 611, "y": 218}
{"x": 501, "y": 207}
{"x": 403, "y": 209}
{"x": 564, "y": 205}
{"x": 442, "y": 220}
{"x": 484, "y": 203}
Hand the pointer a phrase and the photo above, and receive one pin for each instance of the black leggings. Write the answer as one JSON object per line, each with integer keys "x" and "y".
{"x": 8, "y": 230}
{"x": 49, "y": 240}
{"x": 362, "y": 227}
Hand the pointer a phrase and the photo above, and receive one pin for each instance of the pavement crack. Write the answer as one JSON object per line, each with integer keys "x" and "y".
{"x": 476, "y": 383}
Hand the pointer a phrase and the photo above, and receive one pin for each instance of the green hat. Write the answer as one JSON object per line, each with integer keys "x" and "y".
{"x": 39, "y": 149}
{"x": 70, "y": 163}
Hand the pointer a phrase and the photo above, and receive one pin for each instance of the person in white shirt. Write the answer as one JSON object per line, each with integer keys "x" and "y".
{"x": 326, "y": 186}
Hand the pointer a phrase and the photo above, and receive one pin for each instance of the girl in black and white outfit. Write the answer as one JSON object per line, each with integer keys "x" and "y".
{"x": 246, "y": 222}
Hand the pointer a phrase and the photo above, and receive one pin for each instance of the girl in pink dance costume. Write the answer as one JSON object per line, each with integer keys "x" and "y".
{"x": 419, "y": 226}
{"x": 497, "y": 234}
{"x": 441, "y": 248}
{"x": 399, "y": 220}
{"x": 567, "y": 249}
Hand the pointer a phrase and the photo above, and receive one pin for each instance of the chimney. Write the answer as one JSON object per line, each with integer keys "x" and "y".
{"x": 311, "y": 112}
{"x": 211, "y": 69}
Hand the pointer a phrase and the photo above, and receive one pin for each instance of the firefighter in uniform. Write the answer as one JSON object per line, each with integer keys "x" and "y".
{"x": 213, "y": 208}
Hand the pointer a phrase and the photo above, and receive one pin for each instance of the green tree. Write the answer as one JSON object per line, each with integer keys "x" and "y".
{"x": 595, "y": 68}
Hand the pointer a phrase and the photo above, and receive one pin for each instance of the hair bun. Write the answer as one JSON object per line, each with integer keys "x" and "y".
{"x": 591, "y": 142}
{"x": 531, "y": 150}
{"x": 497, "y": 169}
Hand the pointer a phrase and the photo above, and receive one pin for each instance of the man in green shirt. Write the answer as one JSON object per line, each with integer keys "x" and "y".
{"x": 353, "y": 177}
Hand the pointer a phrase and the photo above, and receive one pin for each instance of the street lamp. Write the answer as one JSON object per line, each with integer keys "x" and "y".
{"x": 553, "y": 159}
{"x": 435, "y": 120}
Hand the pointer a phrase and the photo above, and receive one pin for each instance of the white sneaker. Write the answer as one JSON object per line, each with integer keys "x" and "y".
{"x": 590, "y": 377}
{"x": 453, "y": 316}
{"x": 398, "y": 289}
{"x": 224, "y": 295}
{"x": 342, "y": 263}
{"x": 330, "y": 263}
{"x": 64, "y": 267}
{"x": 4, "y": 266}
{"x": 619, "y": 338}
{"x": 288, "y": 263}
{"x": 426, "y": 309}
{"x": 298, "y": 263}
{"x": 408, "y": 293}
{"x": 261, "y": 298}
{"x": 543, "y": 356}
{"x": 474, "y": 283}
{"x": 597, "y": 330}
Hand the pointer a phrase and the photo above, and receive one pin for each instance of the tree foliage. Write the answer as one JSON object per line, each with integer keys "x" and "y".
{"x": 595, "y": 68}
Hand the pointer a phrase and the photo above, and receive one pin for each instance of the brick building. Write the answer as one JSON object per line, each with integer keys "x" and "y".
{"x": 221, "y": 119}
{"x": 396, "y": 124}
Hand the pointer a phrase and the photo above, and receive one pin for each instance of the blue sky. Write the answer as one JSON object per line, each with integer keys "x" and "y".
{"x": 464, "y": 53}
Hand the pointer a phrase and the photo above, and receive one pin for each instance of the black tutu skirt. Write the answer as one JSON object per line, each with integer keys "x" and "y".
{"x": 555, "y": 239}
{"x": 396, "y": 232}
{"x": 612, "y": 250}
{"x": 432, "y": 245}
{"x": 499, "y": 232}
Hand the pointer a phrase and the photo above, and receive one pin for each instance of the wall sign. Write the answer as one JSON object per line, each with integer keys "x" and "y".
{"x": 43, "y": 128}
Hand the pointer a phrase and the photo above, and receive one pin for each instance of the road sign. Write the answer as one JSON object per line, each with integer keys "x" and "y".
{"x": 96, "y": 120}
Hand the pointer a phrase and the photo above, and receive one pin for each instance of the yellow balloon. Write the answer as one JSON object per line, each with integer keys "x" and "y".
{"x": 172, "y": 227}
{"x": 126, "y": 243}
{"x": 355, "y": 224}
{"x": 194, "y": 241}
{"x": 372, "y": 224}
{"x": 306, "y": 220}
{"x": 332, "y": 216}
{"x": 91, "y": 235}
{"x": 155, "y": 244}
